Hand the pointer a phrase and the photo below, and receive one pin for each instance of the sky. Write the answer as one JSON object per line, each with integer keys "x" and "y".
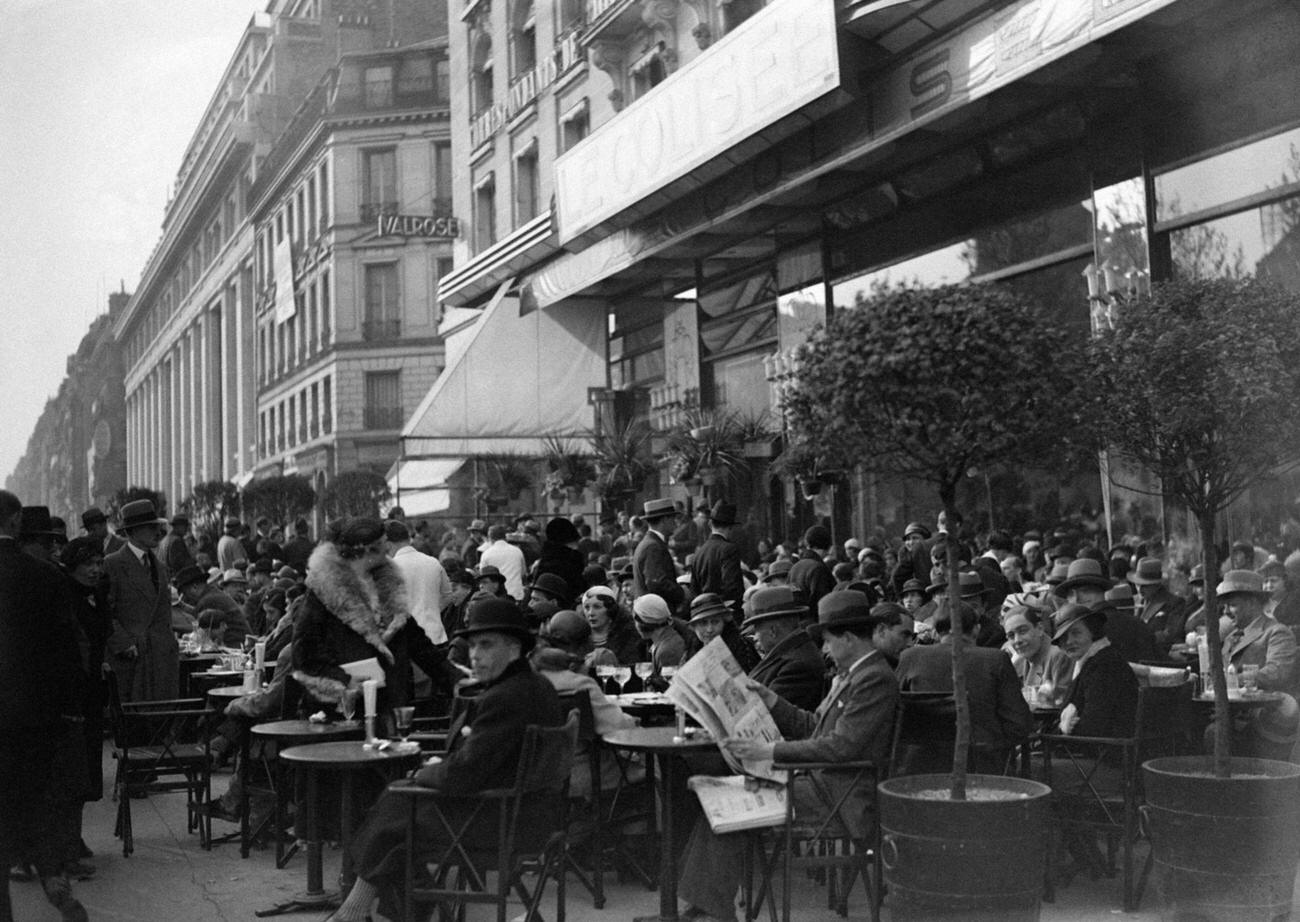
{"x": 98, "y": 100}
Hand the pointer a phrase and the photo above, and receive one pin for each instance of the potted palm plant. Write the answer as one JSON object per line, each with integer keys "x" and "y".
{"x": 1199, "y": 382}
{"x": 623, "y": 461}
{"x": 929, "y": 383}
{"x": 568, "y": 470}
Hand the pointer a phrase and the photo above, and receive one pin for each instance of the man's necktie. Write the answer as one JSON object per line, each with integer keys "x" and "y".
{"x": 152, "y": 568}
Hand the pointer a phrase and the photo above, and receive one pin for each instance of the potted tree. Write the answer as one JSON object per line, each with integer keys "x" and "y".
{"x": 929, "y": 383}
{"x": 623, "y": 461}
{"x": 1199, "y": 382}
{"x": 568, "y": 471}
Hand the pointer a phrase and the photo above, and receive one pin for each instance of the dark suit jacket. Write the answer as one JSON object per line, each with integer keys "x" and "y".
{"x": 1132, "y": 639}
{"x": 142, "y": 617}
{"x": 1000, "y": 718}
{"x": 1165, "y": 615}
{"x": 811, "y": 575}
{"x": 716, "y": 568}
{"x": 794, "y": 669}
{"x": 855, "y": 721}
{"x": 653, "y": 570}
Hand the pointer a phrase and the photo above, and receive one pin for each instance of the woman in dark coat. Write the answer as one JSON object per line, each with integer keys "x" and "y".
{"x": 355, "y": 609}
{"x": 560, "y": 555}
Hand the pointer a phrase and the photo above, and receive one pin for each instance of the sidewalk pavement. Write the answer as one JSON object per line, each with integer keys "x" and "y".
{"x": 169, "y": 877}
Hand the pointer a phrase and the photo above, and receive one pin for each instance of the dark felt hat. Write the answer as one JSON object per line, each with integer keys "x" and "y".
{"x": 553, "y": 585}
{"x": 916, "y": 528}
{"x": 562, "y": 531}
{"x": 708, "y": 605}
{"x": 1148, "y": 572}
{"x": 773, "y": 602}
{"x": 1072, "y": 612}
{"x": 93, "y": 516}
{"x": 915, "y": 585}
{"x": 723, "y": 513}
{"x": 494, "y": 614}
{"x": 489, "y": 572}
{"x": 187, "y": 576}
{"x": 838, "y": 610}
{"x": 36, "y": 523}
{"x": 1083, "y": 572}
{"x": 780, "y": 567}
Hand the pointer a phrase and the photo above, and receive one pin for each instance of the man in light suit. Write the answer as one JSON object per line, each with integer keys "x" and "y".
{"x": 142, "y": 649}
{"x": 853, "y": 722}
{"x": 653, "y": 569}
{"x": 1258, "y": 640}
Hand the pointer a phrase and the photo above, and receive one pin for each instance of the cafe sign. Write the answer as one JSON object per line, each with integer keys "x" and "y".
{"x": 434, "y": 227}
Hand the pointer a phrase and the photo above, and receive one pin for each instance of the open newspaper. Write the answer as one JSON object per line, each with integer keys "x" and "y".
{"x": 710, "y": 687}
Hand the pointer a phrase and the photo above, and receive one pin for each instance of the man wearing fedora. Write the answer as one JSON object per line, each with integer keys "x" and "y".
{"x": 791, "y": 664}
{"x": 143, "y": 652}
{"x": 653, "y": 568}
{"x": 716, "y": 565}
{"x": 95, "y": 523}
{"x": 37, "y": 533}
{"x": 1085, "y": 583}
{"x": 854, "y": 721}
{"x": 810, "y": 573}
{"x": 174, "y": 550}
{"x": 561, "y": 557}
{"x": 1260, "y": 641}
{"x": 484, "y": 753}
{"x": 1160, "y": 609}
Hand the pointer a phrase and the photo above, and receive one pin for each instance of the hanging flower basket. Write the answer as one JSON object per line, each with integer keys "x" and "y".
{"x": 810, "y": 486}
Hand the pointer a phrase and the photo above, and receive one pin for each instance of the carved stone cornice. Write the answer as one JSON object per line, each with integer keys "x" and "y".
{"x": 609, "y": 56}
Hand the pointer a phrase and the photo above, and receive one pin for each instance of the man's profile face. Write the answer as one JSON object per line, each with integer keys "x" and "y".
{"x": 893, "y": 639}
{"x": 145, "y": 536}
{"x": 1243, "y": 609}
{"x": 490, "y": 653}
{"x": 1085, "y": 595}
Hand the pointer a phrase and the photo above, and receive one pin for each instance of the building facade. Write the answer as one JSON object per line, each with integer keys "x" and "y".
{"x": 76, "y": 455}
{"x": 724, "y": 175}
{"x": 353, "y": 224}
{"x": 189, "y": 333}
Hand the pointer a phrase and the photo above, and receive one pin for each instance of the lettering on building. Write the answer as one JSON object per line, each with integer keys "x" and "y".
{"x": 525, "y": 89}
{"x": 441, "y": 227}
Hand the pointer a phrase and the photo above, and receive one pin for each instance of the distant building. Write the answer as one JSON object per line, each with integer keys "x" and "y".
{"x": 353, "y": 228}
{"x": 76, "y": 455}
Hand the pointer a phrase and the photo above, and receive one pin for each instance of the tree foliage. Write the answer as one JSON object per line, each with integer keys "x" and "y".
{"x": 130, "y": 495}
{"x": 356, "y": 493}
{"x": 208, "y": 505}
{"x": 281, "y": 497}
{"x": 931, "y": 383}
{"x": 1199, "y": 382}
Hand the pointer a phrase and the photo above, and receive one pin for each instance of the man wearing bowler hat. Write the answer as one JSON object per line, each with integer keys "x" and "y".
{"x": 484, "y": 753}
{"x": 716, "y": 565}
{"x": 142, "y": 649}
{"x": 653, "y": 569}
{"x": 791, "y": 664}
{"x": 854, "y": 721}
{"x": 1260, "y": 641}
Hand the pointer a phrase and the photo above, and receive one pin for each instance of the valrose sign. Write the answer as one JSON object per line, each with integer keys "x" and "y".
{"x": 778, "y": 60}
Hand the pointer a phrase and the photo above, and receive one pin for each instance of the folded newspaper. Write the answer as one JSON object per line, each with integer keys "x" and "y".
{"x": 734, "y": 802}
{"x": 710, "y": 687}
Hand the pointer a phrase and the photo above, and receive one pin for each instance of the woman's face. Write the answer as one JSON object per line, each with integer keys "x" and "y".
{"x": 1026, "y": 639}
{"x": 708, "y": 628}
{"x": 1077, "y": 640}
{"x": 88, "y": 572}
{"x": 912, "y": 601}
{"x": 1273, "y": 585}
{"x": 596, "y": 613}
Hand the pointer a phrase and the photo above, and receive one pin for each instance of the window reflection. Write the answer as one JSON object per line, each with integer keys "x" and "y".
{"x": 1272, "y": 163}
{"x": 1261, "y": 241}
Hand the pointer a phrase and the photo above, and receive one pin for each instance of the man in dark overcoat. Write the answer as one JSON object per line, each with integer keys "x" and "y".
{"x": 653, "y": 569}
{"x": 716, "y": 565}
{"x": 142, "y": 650}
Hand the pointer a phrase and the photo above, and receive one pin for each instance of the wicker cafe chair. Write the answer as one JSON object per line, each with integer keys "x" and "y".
{"x": 820, "y": 843}
{"x": 161, "y": 746}
{"x": 1091, "y": 797}
{"x": 457, "y": 873}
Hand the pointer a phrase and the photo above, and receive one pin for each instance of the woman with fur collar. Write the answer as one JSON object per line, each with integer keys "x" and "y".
{"x": 355, "y": 609}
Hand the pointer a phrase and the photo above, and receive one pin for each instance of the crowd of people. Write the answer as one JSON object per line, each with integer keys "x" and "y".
{"x": 829, "y": 633}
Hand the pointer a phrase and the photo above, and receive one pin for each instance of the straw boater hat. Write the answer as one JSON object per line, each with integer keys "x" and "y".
{"x": 1083, "y": 572}
{"x": 661, "y": 508}
{"x": 773, "y": 602}
{"x": 916, "y": 528}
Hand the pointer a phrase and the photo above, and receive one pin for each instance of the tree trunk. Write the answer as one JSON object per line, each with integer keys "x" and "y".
{"x": 961, "y": 744}
{"x": 1222, "y": 727}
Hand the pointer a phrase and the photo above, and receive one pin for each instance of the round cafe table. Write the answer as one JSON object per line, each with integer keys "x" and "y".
{"x": 276, "y": 735}
{"x": 652, "y": 708}
{"x": 661, "y": 743}
{"x": 349, "y": 760}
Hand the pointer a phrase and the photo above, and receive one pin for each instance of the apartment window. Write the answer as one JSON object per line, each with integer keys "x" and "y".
{"x": 737, "y": 11}
{"x": 302, "y": 214}
{"x": 293, "y": 422}
{"x": 480, "y": 76}
{"x": 572, "y": 15}
{"x": 485, "y": 229}
{"x": 383, "y": 312}
{"x": 315, "y": 409}
{"x": 312, "y": 226}
{"x": 442, "y": 81}
{"x": 379, "y": 86}
{"x": 442, "y": 177}
{"x": 383, "y": 400}
{"x": 523, "y": 38}
{"x": 312, "y": 326}
{"x": 327, "y": 408}
{"x": 575, "y": 123}
{"x": 324, "y": 197}
{"x": 649, "y": 70}
{"x": 324, "y": 309}
{"x": 302, "y": 416}
{"x": 416, "y": 77}
{"x": 261, "y": 434}
{"x": 379, "y": 183}
{"x": 526, "y": 183}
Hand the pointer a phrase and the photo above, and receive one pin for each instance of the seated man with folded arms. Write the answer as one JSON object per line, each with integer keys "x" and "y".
{"x": 853, "y": 722}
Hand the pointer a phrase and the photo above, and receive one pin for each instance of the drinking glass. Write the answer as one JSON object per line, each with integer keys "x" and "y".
{"x": 1249, "y": 678}
{"x": 643, "y": 672}
{"x": 604, "y": 673}
{"x": 668, "y": 671}
{"x": 402, "y": 717}
{"x": 349, "y": 703}
{"x": 621, "y": 675}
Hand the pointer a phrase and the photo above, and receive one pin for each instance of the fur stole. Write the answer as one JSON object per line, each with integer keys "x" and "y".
{"x": 336, "y": 584}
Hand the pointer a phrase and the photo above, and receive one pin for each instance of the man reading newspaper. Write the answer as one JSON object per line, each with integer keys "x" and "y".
{"x": 853, "y": 722}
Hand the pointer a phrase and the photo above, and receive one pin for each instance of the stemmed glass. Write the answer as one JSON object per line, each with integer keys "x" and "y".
{"x": 604, "y": 673}
{"x": 622, "y": 674}
{"x": 402, "y": 717}
{"x": 643, "y": 672}
{"x": 349, "y": 703}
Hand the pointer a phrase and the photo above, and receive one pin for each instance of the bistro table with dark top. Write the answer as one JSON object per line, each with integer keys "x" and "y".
{"x": 190, "y": 665}
{"x": 651, "y": 708}
{"x": 350, "y": 760}
{"x": 224, "y": 694}
{"x": 663, "y": 744}
{"x": 276, "y": 735}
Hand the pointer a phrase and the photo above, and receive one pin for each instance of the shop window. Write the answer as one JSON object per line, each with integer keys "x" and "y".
{"x": 379, "y": 183}
{"x": 1266, "y": 165}
{"x": 382, "y": 319}
{"x": 383, "y": 409}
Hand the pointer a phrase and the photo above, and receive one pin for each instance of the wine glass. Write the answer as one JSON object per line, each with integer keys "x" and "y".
{"x": 604, "y": 673}
{"x": 402, "y": 717}
{"x": 622, "y": 674}
{"x": 643, "y": 672}
{"x": 349, "y": 703}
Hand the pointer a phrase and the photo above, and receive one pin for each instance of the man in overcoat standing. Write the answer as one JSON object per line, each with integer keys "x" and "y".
{"x": 653, "y": 569}
{"x": 142, "y": 649}
{"x": 716, "y": 565}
